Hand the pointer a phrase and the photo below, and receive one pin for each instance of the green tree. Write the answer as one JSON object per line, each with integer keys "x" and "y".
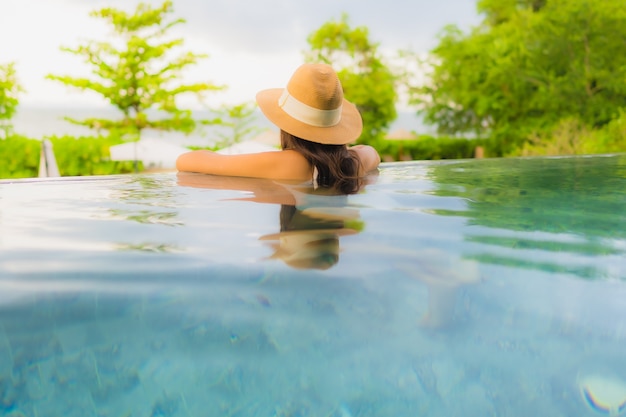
{"x": 9, "y": 91}
{"x": 367, "y": 81}
{"x": 141, "y": 74}
{"x": 239, "y": 120}
{"x": 529, "y": 66}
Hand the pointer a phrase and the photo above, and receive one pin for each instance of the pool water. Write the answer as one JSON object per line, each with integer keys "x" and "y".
{"x": 488, "y": 287}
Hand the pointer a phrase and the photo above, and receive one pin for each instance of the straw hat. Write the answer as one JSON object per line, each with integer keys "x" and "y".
{"x": 312, "y": 107}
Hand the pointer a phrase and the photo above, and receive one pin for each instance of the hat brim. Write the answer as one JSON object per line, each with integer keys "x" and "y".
{"x": 346, "y": 131}
{"x": 322, "y": 232}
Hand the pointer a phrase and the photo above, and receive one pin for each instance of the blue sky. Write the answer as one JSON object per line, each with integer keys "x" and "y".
{"x": 252, "y": 44}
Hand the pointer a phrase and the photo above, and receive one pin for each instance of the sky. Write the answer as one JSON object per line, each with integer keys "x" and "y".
{"x": 252, "y": 44}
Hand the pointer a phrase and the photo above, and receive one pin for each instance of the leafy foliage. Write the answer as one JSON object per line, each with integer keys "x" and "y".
{"x": 572, "y": 137}
{"x": 89, "y": 155}
{"x": 19, "y": 156}
{"x": 239, "y": 120}
{"x": 367, "y": 81}
{"x": 428, "y": 148}
{"x": 139, "y": 75}
{"x": 530, "y": 65}
{"x": 9, "y": 90}
{"x": 75, "y": 156}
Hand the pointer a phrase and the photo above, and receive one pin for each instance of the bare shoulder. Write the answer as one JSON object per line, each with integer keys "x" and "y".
{"x": 368, "y": 156}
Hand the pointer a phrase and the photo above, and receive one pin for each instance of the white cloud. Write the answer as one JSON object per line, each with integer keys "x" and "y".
{"x": 33, "y": 32}
{"x": 252, "y": 44}
{"x": 243, "y": 73}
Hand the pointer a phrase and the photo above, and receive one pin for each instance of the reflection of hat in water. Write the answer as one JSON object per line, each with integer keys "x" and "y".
{"x": 317, "y": 249}
{"x": 312, "y": 107}
{"x": 311, "y": 237}
{"x": 310, "y": 232}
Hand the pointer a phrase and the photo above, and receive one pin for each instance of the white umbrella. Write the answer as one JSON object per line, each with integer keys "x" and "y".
{"x": 249, "y": 146}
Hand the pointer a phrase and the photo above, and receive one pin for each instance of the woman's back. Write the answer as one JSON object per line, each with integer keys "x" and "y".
{"x": 316, "y": 125}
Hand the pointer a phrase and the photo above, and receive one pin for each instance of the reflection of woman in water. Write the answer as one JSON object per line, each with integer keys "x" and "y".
{"x": 310, "y": 238}
{"x": 311, "y": 220}
{"x": 316, "y": 124}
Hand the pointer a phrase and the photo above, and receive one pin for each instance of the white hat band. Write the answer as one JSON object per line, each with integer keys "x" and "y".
{"x": 307, "y": 114}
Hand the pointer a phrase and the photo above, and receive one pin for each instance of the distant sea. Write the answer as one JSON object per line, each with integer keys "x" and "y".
{"x": 40, "y": 122}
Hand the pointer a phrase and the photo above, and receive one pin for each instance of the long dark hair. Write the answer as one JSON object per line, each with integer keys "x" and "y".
{"x": 337, "y": 166}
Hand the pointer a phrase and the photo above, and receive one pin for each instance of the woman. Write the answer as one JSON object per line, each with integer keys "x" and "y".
{"x": 316, "y": 125}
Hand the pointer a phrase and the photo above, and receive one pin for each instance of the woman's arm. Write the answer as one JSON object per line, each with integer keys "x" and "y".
{"x": 369, "y": 157}
{"x": 286, "y": 164}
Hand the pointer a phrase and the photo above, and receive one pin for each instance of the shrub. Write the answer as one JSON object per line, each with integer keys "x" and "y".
{"x": 88, "y": 155}
{"x": 19, "y": 156}
{"x": 75, "y": 156}
{"x": 570, "y": 136}
{"x": 611, "y": 138}
{"x": 428, "y": 147}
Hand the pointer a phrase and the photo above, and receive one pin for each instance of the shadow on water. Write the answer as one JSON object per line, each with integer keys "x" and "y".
{"x": 553, "y": 205}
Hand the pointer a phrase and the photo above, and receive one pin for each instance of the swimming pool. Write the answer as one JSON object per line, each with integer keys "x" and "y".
{"x": 474, "y": 288}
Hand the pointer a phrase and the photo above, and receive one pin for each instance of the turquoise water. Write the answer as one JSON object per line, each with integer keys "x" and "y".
{"x": 469, "y": 288}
